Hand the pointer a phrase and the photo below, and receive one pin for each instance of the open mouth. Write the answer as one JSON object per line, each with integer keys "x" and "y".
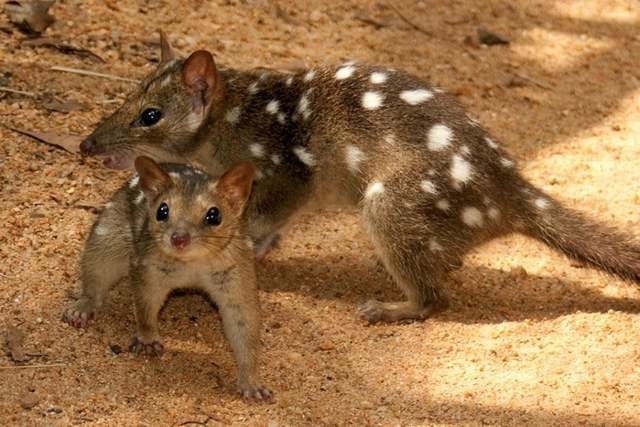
{"x": 116, "y": 161}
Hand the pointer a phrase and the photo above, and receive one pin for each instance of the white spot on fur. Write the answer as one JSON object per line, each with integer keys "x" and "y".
{"x": 415, "y": 97}
{"x": 434, "y": 246}
{"x": 541, "y": 203}
{"x": 439, "y": 137}
{"x": 309, "y": 76}
{"x": 273, "y": 106}
{"x": 345, "y": 72}
{"x": 289, "y": 81}
{"x": 276, "y": 159}
{"x": 443, "y": 205}
{"x": 490, "y": 142}
{"x": 378, "y": 78}
{"x": 101, "y": 230}
{"x": 372, "y": 100}
{"x": 257, "y": 150}
{"x": 431, "y": 172}
{"x": 506, "y": 162}
{"x": 376, "y": 187}
{"x": 472, "y": 217}
{"x": 134, "y": 181}
{"x": 304, "y": 155}
{"x": 253, "y": 88}
{"x": 354, "y": 156}
{"x": 428, "y": 187}
{"x": 303, "y": 107}
{"x": 174, "y": 175}
{"x": 282, "y": 118}
{"x": 493, "y": 213}
{"x": 109, "y": 205}
{"x": 139, "y": 198}
{"x": 461, "y": 169}
{"x": 465, "y": 150}
{"x": 390, "y": 138}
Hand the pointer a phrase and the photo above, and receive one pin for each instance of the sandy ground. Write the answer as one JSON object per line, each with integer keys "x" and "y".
{"x": 529, "y": 338}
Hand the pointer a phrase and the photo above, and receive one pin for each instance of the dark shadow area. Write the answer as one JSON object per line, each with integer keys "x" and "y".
{"x": 475, "y": 294}
{"x": 566, "y": 102}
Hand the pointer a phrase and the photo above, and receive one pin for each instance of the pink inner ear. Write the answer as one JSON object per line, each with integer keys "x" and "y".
{"x": 237, "y": 182}
{"x": 200, "y": 74}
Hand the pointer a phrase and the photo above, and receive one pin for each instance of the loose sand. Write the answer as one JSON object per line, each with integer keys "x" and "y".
{"x": 529, "y": 338}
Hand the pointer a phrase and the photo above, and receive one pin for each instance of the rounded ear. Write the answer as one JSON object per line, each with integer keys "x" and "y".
{"x": 153, "y": 179}
{"x": 235, "y": 185}
{"x": 166, "y": 51}
{"x": 200, "y": 74}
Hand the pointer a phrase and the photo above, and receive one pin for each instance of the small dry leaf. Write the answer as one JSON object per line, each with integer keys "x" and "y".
{"x": 67, "y": 106}
{"x": 70, "y": 143}
{"x": 29, "y": 400}
{"x": 490, "y": 39}
{"x": 363, "y": 16}
{"x": 62, "y": 47}
{"x": 30, "y": 15}
{"x": 14, "y": 341}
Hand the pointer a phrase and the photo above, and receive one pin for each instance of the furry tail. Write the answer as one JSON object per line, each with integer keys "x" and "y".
{"x": 568, "y": 231}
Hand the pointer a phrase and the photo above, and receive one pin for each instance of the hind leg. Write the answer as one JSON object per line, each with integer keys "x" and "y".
{"x": 417, "y": 245}
{"x": 105, "y": 261}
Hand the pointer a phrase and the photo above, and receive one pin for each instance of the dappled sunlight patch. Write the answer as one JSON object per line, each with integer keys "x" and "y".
{"x": 556, "y": 51}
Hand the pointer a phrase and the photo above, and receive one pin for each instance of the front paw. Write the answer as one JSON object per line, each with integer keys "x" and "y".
{"x": 372, "y": 311}
{"x": 77, "y": 317}
{"x": 256, "y": 392}
{"x": 153, "y": 348}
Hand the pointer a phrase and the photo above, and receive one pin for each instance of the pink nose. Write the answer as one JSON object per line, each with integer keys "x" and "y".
{"x": 87, "y": 147}
{"x": 180, "y": 240}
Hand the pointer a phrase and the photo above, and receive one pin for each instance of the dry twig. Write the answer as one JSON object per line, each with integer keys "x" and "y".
{"x": 531, "y": 80}
{"x": 19, "y": 92}
{"x": 92, "y": 74}
{"x": 409, "y": 22}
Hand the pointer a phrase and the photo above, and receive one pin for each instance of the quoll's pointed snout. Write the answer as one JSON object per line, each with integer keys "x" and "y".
{"x": 87, "y": 147}
{"x": 180, "y": 239}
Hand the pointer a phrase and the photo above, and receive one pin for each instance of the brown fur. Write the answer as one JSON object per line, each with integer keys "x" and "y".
{"x": 429, "y": 181}
{"x": 127, "y": 238}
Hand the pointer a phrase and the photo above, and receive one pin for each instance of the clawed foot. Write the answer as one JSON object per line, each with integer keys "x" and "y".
{"x": 153, "y": 349}
{"x": 376, "y": 311}
{"x": 77, "y": 317}
{"x": 256, "y": 392}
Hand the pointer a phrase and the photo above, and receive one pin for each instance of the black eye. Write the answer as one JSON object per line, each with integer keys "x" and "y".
{"x": 213, "y": 216}
{"x": 163, "y": 212}
{"x": 150, "y": 116}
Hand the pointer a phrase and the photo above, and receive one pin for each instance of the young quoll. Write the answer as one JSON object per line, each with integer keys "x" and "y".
{"x": 170, "y": 227}
{"x": 430, "y": 183}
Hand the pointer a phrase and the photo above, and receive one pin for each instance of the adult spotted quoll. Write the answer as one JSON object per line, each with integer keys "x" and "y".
{"x": 430, "y": 183}
{"x": 169, "y": 227}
